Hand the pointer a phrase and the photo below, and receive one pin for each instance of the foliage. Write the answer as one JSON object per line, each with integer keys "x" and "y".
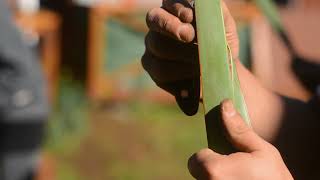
{"x": 218, "y": 74}
{"x": 68, "y": 120}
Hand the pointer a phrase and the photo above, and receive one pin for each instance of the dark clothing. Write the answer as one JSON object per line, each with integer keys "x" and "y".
{"x": 298, "y": 138}
{"x": 306, "y": 71}
{"x": 23, "y": 103}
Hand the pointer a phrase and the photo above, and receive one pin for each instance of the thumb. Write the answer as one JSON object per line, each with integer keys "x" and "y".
{"x": 241, "y": 135}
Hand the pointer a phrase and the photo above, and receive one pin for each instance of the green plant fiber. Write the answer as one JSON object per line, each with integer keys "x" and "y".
{"x": 219, "y": 77}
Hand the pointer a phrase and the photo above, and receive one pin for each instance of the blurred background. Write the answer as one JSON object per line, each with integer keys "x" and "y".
{"x": 108, "y": 120}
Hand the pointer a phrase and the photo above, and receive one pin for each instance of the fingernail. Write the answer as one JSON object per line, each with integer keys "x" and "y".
{"x": 228, "y": 108}
{"x": 186, "y": 15}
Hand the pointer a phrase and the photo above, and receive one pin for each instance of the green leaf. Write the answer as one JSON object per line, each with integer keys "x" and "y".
{"x": 219, "y": 78}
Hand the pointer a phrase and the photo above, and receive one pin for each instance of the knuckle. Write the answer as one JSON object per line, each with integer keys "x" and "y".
{"x": 169, "y": 23}
{"x": 149, "y": 41}
{"x": 241, "y": 128}
{"x": 157, "y": 70}
{"x": 272, "y": 150}
{"x": 211, "y": 168}
{"x": 152, "y": 16}
{"x": 145, "y": 62}
{"x": 203, "y": 153}
{"x": 202, "y": 156}
{"x": 185, "y": 14}
{"x": 166, "y": 24}
{"x": 157, "y": 44}
{"x": 153, "y": 71}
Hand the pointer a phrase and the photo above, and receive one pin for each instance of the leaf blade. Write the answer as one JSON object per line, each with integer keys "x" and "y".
{"x": 218, "y": 75}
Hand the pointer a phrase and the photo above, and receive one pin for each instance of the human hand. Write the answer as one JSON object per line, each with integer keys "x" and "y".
{"x": 258, "y": 160}
{"x": 171, "y": 56}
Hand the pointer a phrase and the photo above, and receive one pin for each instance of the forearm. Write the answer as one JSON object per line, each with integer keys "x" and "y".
{"x": 291, "y": 125}
{"x": 265, "y": 107}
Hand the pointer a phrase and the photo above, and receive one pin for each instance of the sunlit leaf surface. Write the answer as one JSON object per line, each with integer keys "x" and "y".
{"x": 218, "y": 75}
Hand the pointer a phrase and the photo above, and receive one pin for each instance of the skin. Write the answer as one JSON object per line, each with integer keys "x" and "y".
{"x": 257, "y": 160}
{"x": 171, "y": 55}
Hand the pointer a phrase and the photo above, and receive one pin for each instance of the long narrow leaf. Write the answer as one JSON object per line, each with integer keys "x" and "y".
{"x": 218, "y": 75}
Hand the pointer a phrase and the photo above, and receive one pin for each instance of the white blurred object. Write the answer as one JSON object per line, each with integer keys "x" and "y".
{"x": 28, "y": 6}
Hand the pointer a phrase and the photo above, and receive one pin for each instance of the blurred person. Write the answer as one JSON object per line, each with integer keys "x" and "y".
{"x": 23, "y": 103}
{"x": 290, "y": 125}
{"x": 286, "y": 60}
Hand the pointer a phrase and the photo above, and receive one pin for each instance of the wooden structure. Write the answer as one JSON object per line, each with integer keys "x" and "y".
{"x": 103, "y": 85}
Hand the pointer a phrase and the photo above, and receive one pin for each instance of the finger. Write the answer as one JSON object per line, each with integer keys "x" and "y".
{"x": 161, "y": 21}
{"x": 163, "y": 71}
{"x": 201, "y": 163}
{"x": 228, "y": 19}
{"x": 231, "y": 31}
{"x": 180, "y": 8}
{"x": 241, "y": 135}
{"x": 169, "y": 49}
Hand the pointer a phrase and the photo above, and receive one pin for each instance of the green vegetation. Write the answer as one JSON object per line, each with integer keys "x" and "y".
{"x": 218, "y": 74}
{"x": 133, "y": 140}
